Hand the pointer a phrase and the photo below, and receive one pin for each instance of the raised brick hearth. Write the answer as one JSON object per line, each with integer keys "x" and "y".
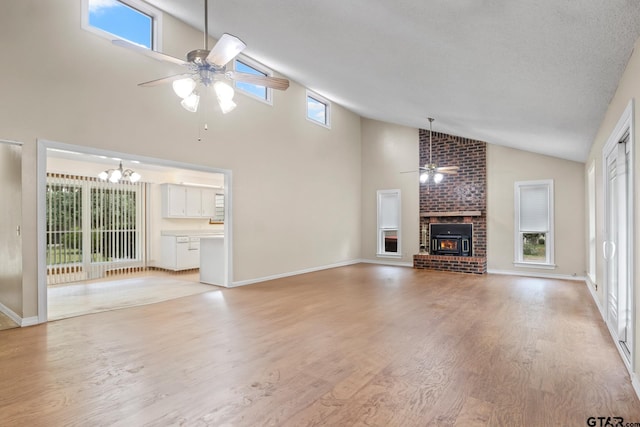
{"x": 458, "y": 264}
{"x": 458, "y": 198}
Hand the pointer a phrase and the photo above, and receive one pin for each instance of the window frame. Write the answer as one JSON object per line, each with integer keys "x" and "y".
{"x": 519, "y": 260}
{"x": 380, "y": 251}
{"x": 142, "y": 7}
{"x": 327, "y": 108}
{"x": 260, "y": 68}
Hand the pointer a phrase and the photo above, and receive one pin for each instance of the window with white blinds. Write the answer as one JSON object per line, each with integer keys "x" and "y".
{"x": 534, "y": 223}
{"x": 388, "y": 223}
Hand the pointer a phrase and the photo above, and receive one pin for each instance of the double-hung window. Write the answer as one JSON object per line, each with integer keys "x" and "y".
{"x": 389, "y": 223}
{"x": 261, "y": 93}
{"x": 132, "y": 20}
{"x": 534, "y": 224}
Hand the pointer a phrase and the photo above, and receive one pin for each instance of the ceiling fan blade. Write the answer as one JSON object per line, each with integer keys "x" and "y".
{"x": 408, "y": 171}
{"x": 272, "y": 82}
{"x": 448, "y": 172}
{"x": 164, "y": 80}
{"x": 444, "y": 168}
{"x": 148, "y": 52}
{"x": 227, "y": 48}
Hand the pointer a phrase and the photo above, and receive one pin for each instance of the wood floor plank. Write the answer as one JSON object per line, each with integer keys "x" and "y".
{"x": 357, "y": 345}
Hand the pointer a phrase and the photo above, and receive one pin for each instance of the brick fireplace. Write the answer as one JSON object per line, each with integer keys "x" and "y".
{"x": 458, "y": 199}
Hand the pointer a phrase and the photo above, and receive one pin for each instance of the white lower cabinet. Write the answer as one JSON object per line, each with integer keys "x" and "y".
{"x": 180, "y": 252}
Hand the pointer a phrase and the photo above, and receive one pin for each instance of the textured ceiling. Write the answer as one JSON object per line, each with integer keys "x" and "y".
{"x": 536, "y": 75}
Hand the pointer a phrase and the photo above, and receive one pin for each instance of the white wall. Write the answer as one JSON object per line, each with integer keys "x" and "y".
{"x": 505, "y": 166}
{"x": 628, "y": 89}
{"x": 296, "y": 185}
{"x": 388, "y": 150}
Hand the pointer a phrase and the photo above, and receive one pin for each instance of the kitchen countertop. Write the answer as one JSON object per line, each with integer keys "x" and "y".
{"x": 201, "y": 232}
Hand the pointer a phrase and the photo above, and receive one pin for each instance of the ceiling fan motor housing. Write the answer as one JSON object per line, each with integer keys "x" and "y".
{"x": 198, "y": 56}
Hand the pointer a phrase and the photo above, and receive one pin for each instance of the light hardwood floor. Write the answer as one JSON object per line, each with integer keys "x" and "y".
{"x": 358, "y": 345}
{"x": 6, "y": 322}
{"x": 127, "y": 290}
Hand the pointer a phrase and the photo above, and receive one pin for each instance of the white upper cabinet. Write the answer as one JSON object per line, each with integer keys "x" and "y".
{"x": 194, "y": 202}
{"x": 181, "y": 201}
{"x": 208, "y": 202}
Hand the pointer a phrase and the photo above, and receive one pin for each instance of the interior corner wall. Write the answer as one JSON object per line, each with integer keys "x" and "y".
{"x": 388, "y": 150}
{"x": 296, "y": 185}
{"x": 505, "y": 166}
{"x": 628, "y": 90}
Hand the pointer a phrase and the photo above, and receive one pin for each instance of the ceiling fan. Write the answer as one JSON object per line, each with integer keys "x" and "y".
{"x": 208, "y": 67}
{"x": 432, "y": 170}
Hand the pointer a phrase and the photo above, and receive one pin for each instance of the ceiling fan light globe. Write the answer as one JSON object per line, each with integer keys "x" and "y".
{"x": 190, "y": 103}
{"x": 103, "y": 175}
{"x": 226, "y": 105}
{"x": 437, "y": 178}
{"x": 424, "y": 177}
{"x": 224, "y": 92}
{"x": 184, "y": 87}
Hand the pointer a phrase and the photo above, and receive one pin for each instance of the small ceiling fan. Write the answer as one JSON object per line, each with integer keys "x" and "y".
{"x": 432, "y": 170}
{"x": 208, "y": 67}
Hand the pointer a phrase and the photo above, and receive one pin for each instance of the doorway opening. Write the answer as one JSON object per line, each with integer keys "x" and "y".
{"x": 11, "y": 303}
{"x": 102, "y": 239}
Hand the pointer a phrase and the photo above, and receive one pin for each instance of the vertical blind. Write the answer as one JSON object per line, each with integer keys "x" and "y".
{"x": 92, "y": 227}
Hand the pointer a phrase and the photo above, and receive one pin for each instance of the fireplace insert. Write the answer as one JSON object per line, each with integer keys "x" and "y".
{"x": 450, "y": 244}
{"x": 451, "y": 239}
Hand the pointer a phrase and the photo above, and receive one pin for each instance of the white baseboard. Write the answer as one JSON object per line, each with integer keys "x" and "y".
{"x": 293, "y": 273}
{"x": 386, "y": 262}
{"x": 592, "y": 291}
{"x": 635, "y": 382}
{"x": 536, "y": 274}
{"x": 28, "y": 321}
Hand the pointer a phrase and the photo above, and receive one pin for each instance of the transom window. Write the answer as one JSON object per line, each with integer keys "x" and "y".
{"x": 130, "y": 20}
{"x": 318, "y": 109}
{"x": 534, "y": 224}
{"x": 262, "y": 93}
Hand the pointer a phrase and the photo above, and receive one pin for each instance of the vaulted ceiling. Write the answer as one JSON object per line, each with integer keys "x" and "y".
{"x": 536, "y": 75}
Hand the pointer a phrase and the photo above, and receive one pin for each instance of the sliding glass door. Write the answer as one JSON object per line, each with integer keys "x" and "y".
{"x": 93, "y": 227}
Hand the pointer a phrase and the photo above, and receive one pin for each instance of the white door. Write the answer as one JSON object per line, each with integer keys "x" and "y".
{"x": 10, "y": 226}
{"x": 617, "y": 249}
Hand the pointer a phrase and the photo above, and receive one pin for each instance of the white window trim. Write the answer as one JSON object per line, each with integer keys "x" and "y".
{"x": 518, "y": 261}
{"x": 254, "y": 64}
{"x": 380, "y": 231}
{"x": 156, "y": 15}
{"x": 323, "y": 100}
